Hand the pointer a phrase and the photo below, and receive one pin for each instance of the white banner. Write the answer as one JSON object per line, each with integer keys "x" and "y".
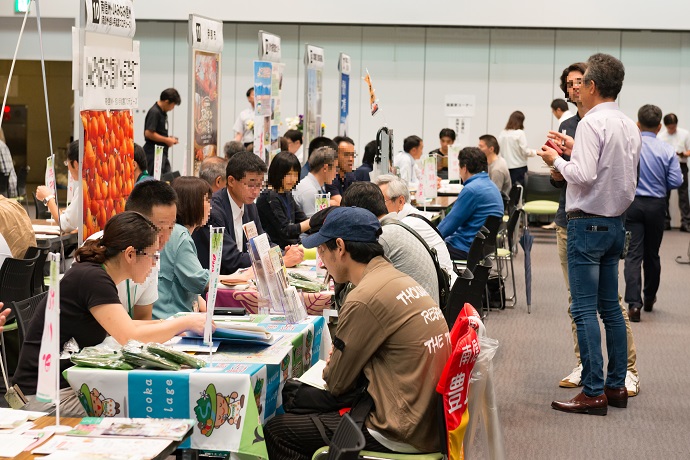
{"x": 314, "y": 57}
{"x": 157, "y": 162}
{"x": 427, "y": 183}
{"x": 205, "y": 34}
{"x": 110, "y": 78}
{"x": 216, "y": 253}
{"x": 453, "y": 163}
{"x": 110, "y": 17}
{"x": 49, "y": 355}
{"x": 269, "y": 47}
{"x": 459, "y": 105}
{"x": 461, "y": 126}
{"x": 344, "y": 64}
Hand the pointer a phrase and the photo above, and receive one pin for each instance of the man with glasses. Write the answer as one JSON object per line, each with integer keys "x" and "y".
{"x": 231, "y": 208}
{"x": 602, "y": 177}
{"x": 69, "y": 217}
{"x": 383, "y": 333}
{"x": 345, "y": 175}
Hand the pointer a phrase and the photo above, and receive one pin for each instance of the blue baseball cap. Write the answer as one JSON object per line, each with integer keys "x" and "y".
{"x": 350, "y": 224}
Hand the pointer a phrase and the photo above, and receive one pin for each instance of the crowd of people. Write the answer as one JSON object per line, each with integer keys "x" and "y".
{"x": 151, "y": 261}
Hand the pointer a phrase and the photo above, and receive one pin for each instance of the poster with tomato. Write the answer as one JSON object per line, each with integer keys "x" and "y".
{"x": 205, "y": 104}
{"x": 108, "y": 166}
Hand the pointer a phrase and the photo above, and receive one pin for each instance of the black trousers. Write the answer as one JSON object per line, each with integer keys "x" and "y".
{"x": 295, "y": 437}
{"x": 683, "y": 201}
{"x": 517, "y": 175}
{"x": 645, "y": 220}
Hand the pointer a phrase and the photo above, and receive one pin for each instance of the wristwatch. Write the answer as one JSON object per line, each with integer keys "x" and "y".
{"x": 47, "y": 199}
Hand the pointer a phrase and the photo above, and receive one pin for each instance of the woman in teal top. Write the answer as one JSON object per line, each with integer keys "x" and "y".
{"x": 181, "y": 279}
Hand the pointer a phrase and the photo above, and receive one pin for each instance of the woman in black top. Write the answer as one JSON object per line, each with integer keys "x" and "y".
{"x": 90, "y": 308}
{"x": 280, "y": 215}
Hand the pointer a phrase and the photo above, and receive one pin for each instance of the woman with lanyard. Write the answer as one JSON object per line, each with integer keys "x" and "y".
{"x": 90, "y": 309}
{"x": 280, "y": 215}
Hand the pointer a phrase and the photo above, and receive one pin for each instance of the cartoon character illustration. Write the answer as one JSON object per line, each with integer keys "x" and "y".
{"x": 257, "y": 394}
{"x": 307, "y": 349}
{"x": 285, "y": 367}
{"x": 97, "y": 405}
{"x": 213, "y": 409}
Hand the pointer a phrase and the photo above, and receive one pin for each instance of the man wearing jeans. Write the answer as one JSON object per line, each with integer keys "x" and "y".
{"x": 601, "y": 176}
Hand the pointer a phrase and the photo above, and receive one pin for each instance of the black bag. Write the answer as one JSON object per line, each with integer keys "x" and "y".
{"x": 300, "y": 398}
{"x": 497, "y": 293}
{"x": 441, "y": 275}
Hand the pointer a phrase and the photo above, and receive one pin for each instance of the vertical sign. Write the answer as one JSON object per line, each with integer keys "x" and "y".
{"x": 313, "y": 89}
{"x": 373, "y": 102}
{"x": 276, "y": 89}
{"x": 205, "y": 39}
{"x": 50, "y": 173}
{"x": 49, "y": 355}
{"x": 268, "y": 82}
{"x": 453, "y": 163}
{"x": 344, "y": 66}
{"x": 427, "y": 183}
{"x": 157, "y": 162}
{"x": 214, "y": 269}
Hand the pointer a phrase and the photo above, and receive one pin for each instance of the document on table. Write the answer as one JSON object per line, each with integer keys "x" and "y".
{"x": 11, "y": 418}
{"x": 46, "y": 229}
{"x": 12, "y": 445}
{"x": 314, "y": 376}
{"x": 129, "y": 448}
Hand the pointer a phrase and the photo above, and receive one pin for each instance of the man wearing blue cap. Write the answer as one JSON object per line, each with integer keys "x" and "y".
{"x": 389, "y": 330}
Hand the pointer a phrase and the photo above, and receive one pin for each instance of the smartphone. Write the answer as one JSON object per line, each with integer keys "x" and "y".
{"x": 553, "y": 145}
{"x": 232, "y": 311}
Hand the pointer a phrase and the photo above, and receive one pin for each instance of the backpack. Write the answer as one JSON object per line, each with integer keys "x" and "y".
{"x": 441, "y": 275}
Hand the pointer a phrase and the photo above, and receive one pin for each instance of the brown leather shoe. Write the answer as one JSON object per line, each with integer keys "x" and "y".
{"x": 648, "y": 305}
{"x": 634, "y": 314}
{"x": 617, "y": 397}
{"x": 583, "y": 404}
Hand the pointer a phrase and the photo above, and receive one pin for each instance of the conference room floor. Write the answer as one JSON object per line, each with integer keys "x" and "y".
{"x": 536, "y": 351}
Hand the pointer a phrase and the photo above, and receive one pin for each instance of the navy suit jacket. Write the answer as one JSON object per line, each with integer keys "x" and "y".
{"x": 221, "y": 216}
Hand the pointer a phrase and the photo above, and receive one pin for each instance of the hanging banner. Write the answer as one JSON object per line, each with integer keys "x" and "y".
{"x": 49, "y": 355}
{"x": 314, "y": 63}
{"x": 263, "y": 75}
{"x": 344, "y": 109}
{"x": 50, "y": 173}
{"x": 214, "y": 269}
{"x": 269, "y": 47}
{"x": 276, "y": 90}
{"x": 205, "y": 40}
{"x": 373, "y": 102}
{"x": 110, "y": 17}
{"x": 107, "y": 167}
{"x": 111, "y": 78}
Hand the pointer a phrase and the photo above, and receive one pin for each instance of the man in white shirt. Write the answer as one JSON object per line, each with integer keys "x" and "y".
{"x": 321, "y": 171}
{"x": 679, "y": 139}
{"x": 69, "y": 218}
{"x": 295, "y": 146}
{"x": 405, "y": 161}
{"x": 602, "y": 178}
{"x": 560, "y": 110}
{"x": 397, "y": 197}
{"x": 244, "y": 125}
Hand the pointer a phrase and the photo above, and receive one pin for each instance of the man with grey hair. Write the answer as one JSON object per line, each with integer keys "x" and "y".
{"x": 602, "y": 177}
{"x": 397, "y": 196}
{"x": 232, "y": 147}
{"x": 212, "y": 170}
{"x": 322, "y": 171}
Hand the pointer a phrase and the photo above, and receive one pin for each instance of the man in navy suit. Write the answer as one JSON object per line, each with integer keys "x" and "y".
{"x": 233, "y": 207}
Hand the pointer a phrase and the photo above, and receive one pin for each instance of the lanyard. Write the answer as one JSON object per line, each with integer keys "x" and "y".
{"x": 129, "y": 300}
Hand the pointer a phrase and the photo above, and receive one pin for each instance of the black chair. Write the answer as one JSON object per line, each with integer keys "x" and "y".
{"x": 170, "y": 176}
{"x": 38, "y": 279}
{"x": 507, "y": 254}
{"x": 42, "y": 211}
{"x": 4, "y": 185}
{"x": 348, "y": 440}
{"x": 25, "y": 313}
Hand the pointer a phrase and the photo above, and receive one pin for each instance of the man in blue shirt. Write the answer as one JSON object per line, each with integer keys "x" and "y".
{"x": 478, "y": 200}
{"x": 659, "y": 174}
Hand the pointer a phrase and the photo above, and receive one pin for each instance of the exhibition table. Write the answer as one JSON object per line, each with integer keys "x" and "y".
{"x": 230, "y": 398}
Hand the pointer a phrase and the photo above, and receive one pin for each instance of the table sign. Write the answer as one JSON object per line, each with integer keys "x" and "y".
{"x": 322, "y": 201}
{"x": 453, "y": 162}
{"x": 426, "y": 188}
{"x": 215, "y": 256}
{"x": 157, "y": 162}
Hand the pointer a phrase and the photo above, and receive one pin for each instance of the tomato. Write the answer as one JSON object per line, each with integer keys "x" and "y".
{"x": 101, "y": 217}
{"x": 104, "y": 190}
{"x": 101, "y": 124}
{"x": 93, "y": 128}
{"x": 89, "y": 156}
{"x": 114, "y": 191}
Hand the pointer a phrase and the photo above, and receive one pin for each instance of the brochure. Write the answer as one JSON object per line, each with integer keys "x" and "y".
{"x": 173, "y": 429}
{"x": 95, "y": 447}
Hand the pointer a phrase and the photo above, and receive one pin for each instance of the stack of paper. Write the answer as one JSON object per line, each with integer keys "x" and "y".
{"x": 174, "y": 429}
{"x": 104, "y": 447}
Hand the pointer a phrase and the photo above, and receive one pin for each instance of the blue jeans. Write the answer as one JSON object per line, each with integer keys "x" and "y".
{"x": 594, "y": 249}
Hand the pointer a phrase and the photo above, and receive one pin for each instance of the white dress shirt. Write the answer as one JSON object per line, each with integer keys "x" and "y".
{"x": 409, "y": 171}
{"x": 300, "y": 155}
{"x": 429, "y": 235}
{"x": 305, "y": 194}
{"x": 680, "y": 141}
{"x": 602, "y": 171}
{"x": 567, "y": 114}
{"x": 237, "y": 213}
{"x": 69, "y": 218}
{"x": 513, "y": 148}
{"x": 241, "y": 125}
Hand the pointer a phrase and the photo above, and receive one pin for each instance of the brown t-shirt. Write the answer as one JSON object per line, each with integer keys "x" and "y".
{"x": 394, "y": 332}
{"x": 15, "y": 227}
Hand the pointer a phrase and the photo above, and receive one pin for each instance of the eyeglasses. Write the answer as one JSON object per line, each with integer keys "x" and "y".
{"x": 253, "y": 185}
{"x": 576, "y": 82}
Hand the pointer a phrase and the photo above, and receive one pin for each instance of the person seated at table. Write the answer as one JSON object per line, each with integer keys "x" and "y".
{"x": 397, "y": 197}
{"x": 157, "y": 201}
{"x": 446, "y": 138}
{"x": 280, "y": 215}
{"x": 382, "y": 335}
{"x": 90, "y": 308}
{"x": 140, "y": 167}
{"x": 233, "y": 207}
{"x": 367, "y": 166}
{"x": 322, "y": 171}
{"x": 69, "y": 218}
{"x": 498, "y": 168}
{"x": 479, "y": 199}
{"x": 212, "y": 170}
{"x": 345, "y": 175}
{"x": 15, "y": 230}
{"x": 406, "y": 160}
{"x": 181, "y": 279}
{"x": 401, "y": 247}
{"x": 315, "y": 144}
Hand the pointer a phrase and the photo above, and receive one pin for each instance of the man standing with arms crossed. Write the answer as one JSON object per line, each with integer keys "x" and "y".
{"x": 601, "y": 176}
{"x": 571, "y": 82}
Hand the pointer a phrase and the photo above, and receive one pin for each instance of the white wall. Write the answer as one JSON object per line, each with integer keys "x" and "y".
{"x": 590, "y": 14}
